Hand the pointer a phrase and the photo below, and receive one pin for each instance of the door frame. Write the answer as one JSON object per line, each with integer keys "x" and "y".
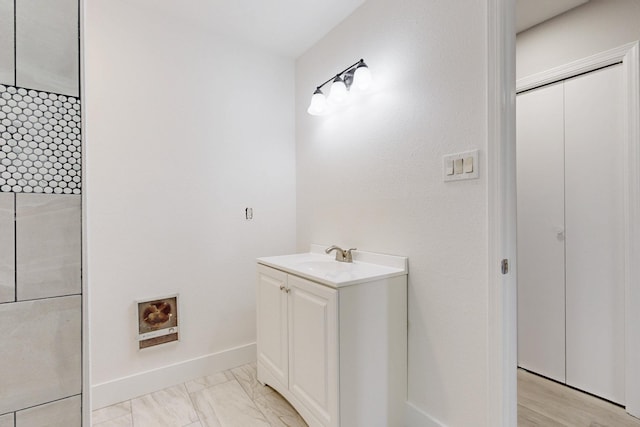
{"x": 501, "y": 372}
{"x": 629, "y": 56}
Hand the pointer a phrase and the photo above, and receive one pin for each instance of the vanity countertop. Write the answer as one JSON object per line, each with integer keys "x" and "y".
{"x": 319, "y": 267}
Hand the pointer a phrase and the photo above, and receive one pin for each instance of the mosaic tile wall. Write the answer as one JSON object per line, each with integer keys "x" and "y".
{"x": 40, "y": 142}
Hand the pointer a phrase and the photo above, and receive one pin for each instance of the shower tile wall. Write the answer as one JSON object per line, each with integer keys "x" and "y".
{"x": 6, "y": 420}
{"x": 6, "y": 45}
{"x": 64, "y": 412}
{"x": 47, "y": 45}
{"x": 7, "y": 248}
{"x": 48, "y": 246}
{"x": 40, "y": 142}
{"x": 40, "y": 215}
{"x": 42, "y": 363}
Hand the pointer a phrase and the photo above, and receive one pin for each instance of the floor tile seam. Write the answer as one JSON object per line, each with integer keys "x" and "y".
{"x": 240, "y": 383}
{"x": 113, "y": 419}
{"x": 129, "y": 412}
{"x": 193, "y": 422}
{"x": 259, "y": 407}
{"x": 185, "y": 389}
{"x": 208, "y": 386}
{"x": 263, "y": 395}
{"x": 264, "y": 390}
{"x": 153, "y": 396}
{"x": 251, "y": 399}
{"x": 195, "y": 407}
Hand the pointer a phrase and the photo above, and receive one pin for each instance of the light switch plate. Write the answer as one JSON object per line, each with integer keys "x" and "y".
{"x": 465, "y": 165}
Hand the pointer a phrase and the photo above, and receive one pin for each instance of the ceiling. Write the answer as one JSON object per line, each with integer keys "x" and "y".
{"x": 286, "y": 27}
{"x": 533, "y": 12}
{"x": 291, "y": 27}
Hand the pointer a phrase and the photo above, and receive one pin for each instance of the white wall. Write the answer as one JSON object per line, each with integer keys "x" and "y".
{"x": 595, "y": 27}
{"x": 371, "y": 177}
{"x": 184, "y": 129}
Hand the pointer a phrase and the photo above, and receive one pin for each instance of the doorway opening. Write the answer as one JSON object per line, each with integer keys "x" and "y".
{"x": 627, "y": 165}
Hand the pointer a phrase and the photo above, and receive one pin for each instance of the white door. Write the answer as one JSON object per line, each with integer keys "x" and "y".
{"x": 594, "y": 143}
{"x": 272, "y": 331}
{"x": 313, "y": 348}
{"x": 571, "y": 187}
{"x": 540, "y": 244}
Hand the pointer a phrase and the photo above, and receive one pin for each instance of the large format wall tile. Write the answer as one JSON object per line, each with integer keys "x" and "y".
{"x": 47, "y": 45}
{"x": 6, "y": 420}
{"x": 40, "y": 352}
{"x": 48, "y": 239}
{"x": 7, "y": 248}
{"x": 6, "y": 42}
{"x": 63, "y": 413}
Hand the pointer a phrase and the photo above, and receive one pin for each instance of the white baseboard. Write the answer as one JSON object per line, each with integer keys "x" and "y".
{"x": 416, "y": 417}
{"x": 121, "y": 389}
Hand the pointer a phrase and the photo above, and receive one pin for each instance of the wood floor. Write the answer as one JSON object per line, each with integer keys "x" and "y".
{"x": 542, "y": 402}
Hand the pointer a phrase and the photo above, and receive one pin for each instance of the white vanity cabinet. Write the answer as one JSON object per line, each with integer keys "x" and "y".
{"x": 334, "y": 343}
{"x": 297, "y": 340}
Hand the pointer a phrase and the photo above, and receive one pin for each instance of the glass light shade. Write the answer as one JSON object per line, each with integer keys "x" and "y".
{"x": 362, "y": 78}
{"x": 318, "y": 104}
{"x": 338, "y": 91}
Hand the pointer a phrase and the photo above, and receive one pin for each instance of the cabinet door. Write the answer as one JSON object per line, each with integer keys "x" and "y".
{"x": 595, "y": 232}
{"x": 541, "y": 269}
{"x": 313, "y": 349}
{"x": 272, "y": 340}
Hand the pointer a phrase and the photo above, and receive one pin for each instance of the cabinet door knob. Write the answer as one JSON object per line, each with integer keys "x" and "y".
{"x": 282, "y": 288}
{"x": 288, "y": 290}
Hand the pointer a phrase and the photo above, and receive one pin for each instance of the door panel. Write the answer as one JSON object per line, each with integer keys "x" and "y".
{"x": 540, "y": 215}
{"x": 272, "y": 339}
{"x": 595, "y": 232}
{"x": 313, "y": 347}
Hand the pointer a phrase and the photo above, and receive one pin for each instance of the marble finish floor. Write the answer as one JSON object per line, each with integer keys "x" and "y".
{"x": 231, "y": 398}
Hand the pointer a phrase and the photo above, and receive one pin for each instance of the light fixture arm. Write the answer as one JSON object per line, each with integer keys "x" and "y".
{"x": 340, "y": 85}
{"x": 347, "y": 72}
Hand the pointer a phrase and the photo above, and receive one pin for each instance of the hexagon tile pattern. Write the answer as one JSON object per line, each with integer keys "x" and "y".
{"x": 40, "y": 142}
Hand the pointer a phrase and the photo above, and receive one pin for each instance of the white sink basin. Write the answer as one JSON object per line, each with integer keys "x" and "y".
{"x": 317, "y": 266}
{"x": 327, "y": 266}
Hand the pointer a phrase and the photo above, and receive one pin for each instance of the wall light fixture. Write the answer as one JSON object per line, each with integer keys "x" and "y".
{"x": 357, "y": 75}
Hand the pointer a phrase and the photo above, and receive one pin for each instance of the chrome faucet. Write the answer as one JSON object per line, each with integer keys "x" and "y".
{"x": 341, "y": 254}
